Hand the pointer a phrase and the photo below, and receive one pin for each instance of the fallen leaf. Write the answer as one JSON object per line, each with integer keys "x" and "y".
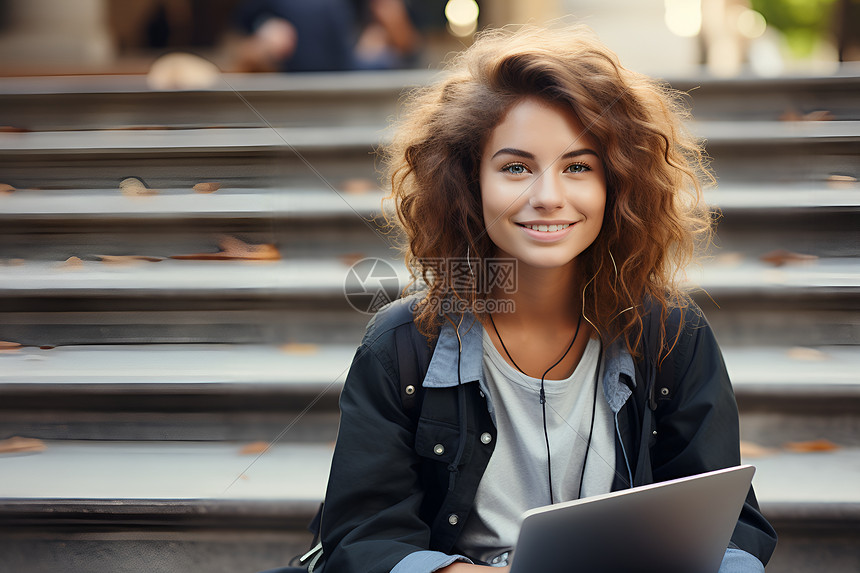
{"x": 13, "y": 129}
{"x": 17, "y": 444}
{"x": 807, "y": 354}
{"x": 782, "y": 257}
{"x": 133, "y": 186}
{"x": 731, "y": 259}
{"x": 47, "y": 347}
{"x": 208, "y": 187}
{"x": 837, "y": 181}
{"x": 6, "y": 345}
{"x": 72, "y": 264}
{"x": 128, "y": 259}
{"x": 811, "y": 446}
{"x": 350, "y": 259}
{"x": 817, "y": 115}
{"x": 233, "y": 249}
{"x": 358, "y": 186}
{"x": 6, "y": 189}
{"x": 301, "y": 349}
{"x": 254, "y": 448}
{"x": 181, "y": 71}
{"x": 753, "y": 450}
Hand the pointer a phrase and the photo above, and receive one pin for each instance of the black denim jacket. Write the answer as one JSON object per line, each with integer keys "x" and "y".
{"x": 393, "y": 491}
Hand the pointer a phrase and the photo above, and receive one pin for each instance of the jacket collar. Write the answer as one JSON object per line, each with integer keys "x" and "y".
{"x": 619, "y": 377}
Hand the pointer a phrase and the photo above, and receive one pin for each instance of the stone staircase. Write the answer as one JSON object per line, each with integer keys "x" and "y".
{"x": 186, "y": 407}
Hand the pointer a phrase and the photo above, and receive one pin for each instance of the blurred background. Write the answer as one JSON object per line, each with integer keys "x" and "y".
{"x": 727, "y": 37}
{"x": 191, "y": 247}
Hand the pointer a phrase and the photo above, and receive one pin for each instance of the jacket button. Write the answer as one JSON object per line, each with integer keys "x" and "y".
{"x": 664, "y": 391}
{"x": 438, "y": 449}
{"x": 486, "y": 438}
{"x": 410, "y": 390}
{"x": 481, "y": 393}
{"x": 453, "y": 519}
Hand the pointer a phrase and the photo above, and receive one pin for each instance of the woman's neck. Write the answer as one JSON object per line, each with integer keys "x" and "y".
{"x": 544, "y": 296}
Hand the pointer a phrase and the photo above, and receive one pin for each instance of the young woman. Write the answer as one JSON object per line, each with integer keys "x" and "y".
{"x": 549, "y": 197}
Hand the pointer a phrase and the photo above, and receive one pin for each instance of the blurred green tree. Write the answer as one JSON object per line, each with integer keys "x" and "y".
{"x": 803, "y": 22}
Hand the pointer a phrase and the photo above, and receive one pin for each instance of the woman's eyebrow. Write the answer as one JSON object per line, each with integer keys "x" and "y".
{"x": 527, "y": 155}
{"x": 513, "y": 151}
{"x": 578, "y": 152}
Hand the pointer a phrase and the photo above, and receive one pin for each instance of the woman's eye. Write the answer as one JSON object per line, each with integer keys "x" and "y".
{"x": 515, "y": 168}
{"x": 578, "y": 168}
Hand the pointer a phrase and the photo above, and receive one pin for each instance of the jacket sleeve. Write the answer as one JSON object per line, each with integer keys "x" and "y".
{"x": 698, "y": 428}
{"x": 371, "y": 518}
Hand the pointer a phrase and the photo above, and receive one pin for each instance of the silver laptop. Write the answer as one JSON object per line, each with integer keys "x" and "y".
{"x": 678, "y": 526}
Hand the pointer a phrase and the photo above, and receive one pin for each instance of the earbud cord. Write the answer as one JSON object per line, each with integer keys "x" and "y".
{"x": 543, "y": 399}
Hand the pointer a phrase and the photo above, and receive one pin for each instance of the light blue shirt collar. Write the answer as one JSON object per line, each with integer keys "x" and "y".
{"x": 442, "y": 372}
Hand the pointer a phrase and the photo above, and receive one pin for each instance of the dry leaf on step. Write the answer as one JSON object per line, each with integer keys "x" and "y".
{"x": 6, "y": 346}
{"x": 182, "y": 71}
{"x": 816, "y": 115}
{"x": 838, "y": 181}
{"x": 806, "y": 354}
{"x": 134, "y": 187}
{"x": 6, "y": 189}
{"x": 350, "y": 259}
{"x": 232, "y": 249}
{"x": 17, "y": 444}
{"x": 782, "y": 257}
{"x": 13, "y": 129}
{"x": 358, "y": 186}
{"x": 811, "y": 446}
{"x": 128, "y": 259}
{"x": 72, "y": 264}
{"x": 207, "y": 187}
{"x": 254, "y": 448}
{"x": 298, "y": 348}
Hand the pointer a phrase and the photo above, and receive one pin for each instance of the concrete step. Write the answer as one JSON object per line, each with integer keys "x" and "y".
{"x": 321, "y": 202}
{"x": 94, "y": 102}
{"x": 772, "y": 99}
{"x": 229, "y": 392}
{"x": 183, "y": 488}
{"x": 76, "y": 102}
{"x": 240, "y": 157}
{"x": 98, "y": 205}
{"x": 315, "y": 279}
{"x": 249, "y": 157}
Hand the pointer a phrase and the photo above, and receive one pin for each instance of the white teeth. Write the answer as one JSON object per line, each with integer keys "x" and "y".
{"x": 548, "y": 228}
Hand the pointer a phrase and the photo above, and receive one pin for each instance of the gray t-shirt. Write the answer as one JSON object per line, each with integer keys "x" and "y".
{"x": 516, "y": 477}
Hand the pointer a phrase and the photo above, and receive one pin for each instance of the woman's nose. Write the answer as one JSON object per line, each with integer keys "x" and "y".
{"x": 547, "y": 193}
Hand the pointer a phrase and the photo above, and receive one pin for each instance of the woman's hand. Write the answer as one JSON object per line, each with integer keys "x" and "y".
{"x": 467, "y": 567}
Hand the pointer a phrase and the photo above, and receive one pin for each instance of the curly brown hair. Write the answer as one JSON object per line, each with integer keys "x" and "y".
{"x": 653, "y": 222}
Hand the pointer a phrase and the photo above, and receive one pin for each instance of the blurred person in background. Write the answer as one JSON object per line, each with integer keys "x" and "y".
{"x": 325, "y": 35}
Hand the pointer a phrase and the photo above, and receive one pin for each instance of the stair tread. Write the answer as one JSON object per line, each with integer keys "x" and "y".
{"x": 172, "y": 203}
{"x": 326, "y": 277}
{"x": 167, "y": 470}
{"x": 170, "y": 141}
{"x": 297, "y": 472}
{"x": 266, "y": 203}
{"x": 163, "y": 365}
{"x": 339, "y": 83}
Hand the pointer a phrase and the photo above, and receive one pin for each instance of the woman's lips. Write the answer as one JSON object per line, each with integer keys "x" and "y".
{"x": 546, "y": 232}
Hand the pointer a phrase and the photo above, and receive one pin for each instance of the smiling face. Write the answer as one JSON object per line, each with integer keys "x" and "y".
{"x": 543, "y": 186}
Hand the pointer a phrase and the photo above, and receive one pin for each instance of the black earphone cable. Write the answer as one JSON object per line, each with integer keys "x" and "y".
{"x": 543, "y": 403}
